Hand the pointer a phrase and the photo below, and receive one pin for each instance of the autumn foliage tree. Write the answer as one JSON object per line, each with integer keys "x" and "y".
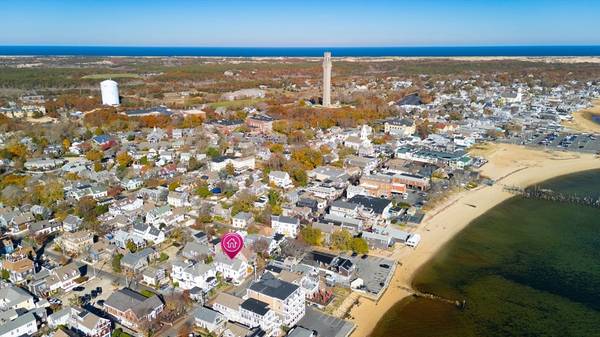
{"x": 105, "y": 117}
{"x": 341, "y": 240}
{"x": 93, "y": 155}
{"x": 309, "y": 158}
{"x": 312, "y": 236}
{"x": 124, "y": 159}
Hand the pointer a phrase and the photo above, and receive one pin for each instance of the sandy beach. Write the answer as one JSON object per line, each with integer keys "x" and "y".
{"x": 509, "y": 165}
{"x": 582, "y": 120}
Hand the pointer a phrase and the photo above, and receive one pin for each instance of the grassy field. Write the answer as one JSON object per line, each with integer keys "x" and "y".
{"x": 107, "y": 76}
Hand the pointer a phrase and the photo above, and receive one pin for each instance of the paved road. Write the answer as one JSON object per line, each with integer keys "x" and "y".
{"x": 100, "y": 271}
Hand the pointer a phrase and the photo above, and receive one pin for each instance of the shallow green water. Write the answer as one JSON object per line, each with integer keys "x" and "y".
{"x": 525, "y": 268}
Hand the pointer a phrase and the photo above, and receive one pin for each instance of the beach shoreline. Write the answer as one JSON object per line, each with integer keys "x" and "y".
{"x": 509, "y": 165}
{"x": 582, "y": 119}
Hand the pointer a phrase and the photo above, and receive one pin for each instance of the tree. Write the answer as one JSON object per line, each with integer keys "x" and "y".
{"x": 5, "y": 274}
{"x": 12, "y": 195}
{"x": 311, "y": 236}
{"x": 66, "y": 144}
{"x": 230, "y": 169}
{"x": 202, "y": 190}
{"x": 179, "y": 235}
{"x": 97, "y": 166}
{"x": 341, "y": 239}
{"x": 17, "y": 150}
{"x": 194, "y": 164}
{"x": 86, "y": 208}
{"x": 93, "y": 155}
{"x": 274, "y": 198}
{"x": 213, "y": 152}
{"x": 243, "y": 203}
{"x": 131, "y": 246}
{"x": 299, "y": 176}
{"x": 163, "y": 257}
{"x": 359, "y": 245}
{"x": 276, "y": 148}
{"x": 75, "y": 301}
{"x": 124, "y": 159}
{"x": 173, "y": 186}
{"x": 261, "y": 247}
{"x": 424, "y": 129}
{"x": 308, "y": 157}
{"x": 116, "y": 263}
{"x": 51, "y": 192}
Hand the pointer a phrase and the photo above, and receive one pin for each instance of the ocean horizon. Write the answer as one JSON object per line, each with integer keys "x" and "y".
{"x": 429, "y": 51}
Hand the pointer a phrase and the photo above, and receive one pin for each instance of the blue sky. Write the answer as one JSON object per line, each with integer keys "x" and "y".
{"x": 299, "y": 23}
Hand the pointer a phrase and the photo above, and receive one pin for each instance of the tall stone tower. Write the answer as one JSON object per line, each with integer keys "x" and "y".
{"x": 327, "y": 79}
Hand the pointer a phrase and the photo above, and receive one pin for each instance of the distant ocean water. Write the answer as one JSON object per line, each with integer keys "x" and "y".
{"x": 301, "y": 52}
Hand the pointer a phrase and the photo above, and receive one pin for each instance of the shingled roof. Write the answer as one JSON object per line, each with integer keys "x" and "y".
{"x": 127, "y": 299}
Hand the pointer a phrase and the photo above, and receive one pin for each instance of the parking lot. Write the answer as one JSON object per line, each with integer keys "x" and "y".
{"x": 375, "y": 272}
{"x": 325, "y": 325}
{"x": 589, "y": 143}
{"x": 91, "y": 284}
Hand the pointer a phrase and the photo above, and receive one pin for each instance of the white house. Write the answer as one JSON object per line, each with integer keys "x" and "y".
{"x": 13, "y": 298}
{"x": 209, "y": 319}
{"x": 71, "y": 223}
{"x": 190, "y": 275}
{"x": 178, "y": 199}
{"x": 228, "y": 305}
{"x": 125, "y": 206}
{"x": 239, "y": 164}
{"x": 280, "y": 179}
{"x": 285, "y": 298}
{"x": 400, "y": 127}
{"x": 344, "y": 209}
{"x": 256, "y": 313}
{"x": 132, "y": 184}
{"x": 241, "y": 220}
{"x": 285, "y": 225}
{"x": 148, "y": 232}
{"x": 63, "y": 277}
{"x": 157, "y": 215}
{"x": 81, "y": 320}
{"x": 235, "y": 269}
{"x": 15, "y": 325}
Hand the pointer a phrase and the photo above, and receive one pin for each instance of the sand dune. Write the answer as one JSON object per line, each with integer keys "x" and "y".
{"x": 509, "y": 165}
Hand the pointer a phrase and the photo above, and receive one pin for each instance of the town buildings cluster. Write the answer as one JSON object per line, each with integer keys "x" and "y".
{"x": 107, "y": 230}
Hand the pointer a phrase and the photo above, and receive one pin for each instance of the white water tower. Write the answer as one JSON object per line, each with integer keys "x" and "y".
{"x": 110, "y": 92}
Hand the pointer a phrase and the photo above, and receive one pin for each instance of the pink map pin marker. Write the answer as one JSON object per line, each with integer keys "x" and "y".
{"x": 231, "y": 244}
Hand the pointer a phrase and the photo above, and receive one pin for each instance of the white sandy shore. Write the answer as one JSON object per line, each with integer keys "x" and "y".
{"x": 582, "y": 121}
{"x": 509, "y": 165}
